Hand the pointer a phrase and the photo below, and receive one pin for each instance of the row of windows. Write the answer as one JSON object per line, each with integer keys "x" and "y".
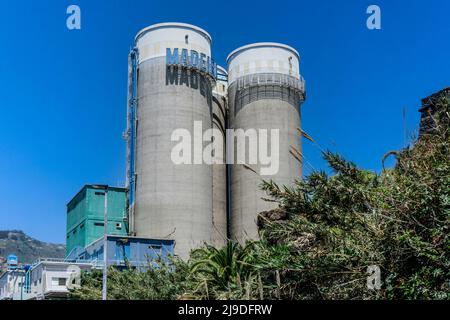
{"x": 118, "y": 226}
{"x": 72, "y": 205}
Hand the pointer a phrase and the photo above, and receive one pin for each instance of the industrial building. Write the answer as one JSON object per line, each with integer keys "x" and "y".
{"x": 172, "y": 208}
{"x": 50, "y": 278}
{"x": 429, "y": 108}
{"x": 265, "y": 92}
{"x": 167, "y": 208}
{"x": 173, "y": 81}
{"x": 86, "y": 230}
{"x": 126, "y": 252}
{"x": 220, "y": 191}
{"x": 85, "y": 216}
{"x": 167, "y": 200}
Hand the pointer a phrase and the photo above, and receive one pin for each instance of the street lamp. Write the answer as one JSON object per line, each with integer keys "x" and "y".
{"x": 105, "y": 242}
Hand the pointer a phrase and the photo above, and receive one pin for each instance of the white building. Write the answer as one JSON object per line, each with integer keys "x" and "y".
{"x": 50, "y": 278}
{"x": 46, "y": 279}
{"x": 11, "y": 284}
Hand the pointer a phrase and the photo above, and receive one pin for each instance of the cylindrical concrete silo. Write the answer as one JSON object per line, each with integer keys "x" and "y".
{"x": 219, "y": 214}
{"x": 172, "y": 201}
{"x": 265, "y": 92}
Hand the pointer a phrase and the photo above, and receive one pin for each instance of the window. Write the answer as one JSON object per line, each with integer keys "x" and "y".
{"x": 99, "y": 224}
{"x": 156, "y": 249}
{"x": 59, "y": 281}
{"x": 99, "y": 193}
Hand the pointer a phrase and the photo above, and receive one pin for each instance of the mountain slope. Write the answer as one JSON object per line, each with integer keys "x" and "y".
{"x": 26, "y": 248}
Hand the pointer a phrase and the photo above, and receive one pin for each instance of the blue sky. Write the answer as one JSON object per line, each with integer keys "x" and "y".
{"x": 63, "y": 93}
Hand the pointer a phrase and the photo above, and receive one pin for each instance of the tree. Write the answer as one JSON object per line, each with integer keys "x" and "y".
{"x": 325, "y": 234}
{"x": 339, "y": 225}
{"x": 160, "y": 281}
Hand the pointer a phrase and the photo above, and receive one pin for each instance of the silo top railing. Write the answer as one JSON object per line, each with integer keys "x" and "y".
{"x": 253, "y": 87}
{"x": 280, "y": 79}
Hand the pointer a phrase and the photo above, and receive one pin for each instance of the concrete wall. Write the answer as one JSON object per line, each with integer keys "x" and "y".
{"x": 172, "y": 201}
{"x": 245, "y": 185}
{"x": 219, "y": 214}
{"x": 263, "y": 104}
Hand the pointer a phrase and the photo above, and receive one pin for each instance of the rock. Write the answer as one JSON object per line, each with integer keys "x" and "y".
{"x": 304, "y": 241}
{"x": 271, "y": 216}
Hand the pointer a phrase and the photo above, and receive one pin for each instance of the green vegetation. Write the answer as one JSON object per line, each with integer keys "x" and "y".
{"x": 163, "y": 283}
{"x": 327, "y": 231}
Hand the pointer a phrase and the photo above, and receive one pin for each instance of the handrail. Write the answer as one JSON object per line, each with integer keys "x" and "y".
{"x": 256, "y": 79}
{"x": 60, "y": 260}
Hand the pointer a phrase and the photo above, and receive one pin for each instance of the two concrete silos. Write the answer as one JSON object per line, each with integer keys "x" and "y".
{"x": 200, "y": 203}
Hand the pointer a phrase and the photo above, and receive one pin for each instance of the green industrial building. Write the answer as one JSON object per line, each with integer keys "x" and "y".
{"x": 85, "y": 216}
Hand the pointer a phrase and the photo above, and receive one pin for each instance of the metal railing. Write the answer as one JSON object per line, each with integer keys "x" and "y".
{"x": 62, "y": 260}
{"x": 280, "y": 79}
{"x": 254, "y": 87}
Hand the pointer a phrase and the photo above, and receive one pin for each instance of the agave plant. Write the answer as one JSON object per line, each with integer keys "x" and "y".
{"x": 220, "y": 270}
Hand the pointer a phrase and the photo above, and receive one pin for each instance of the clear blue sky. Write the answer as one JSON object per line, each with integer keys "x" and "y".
{"x": 63, "y": 93}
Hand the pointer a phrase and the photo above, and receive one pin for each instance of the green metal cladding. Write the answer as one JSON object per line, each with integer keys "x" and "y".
{"x": 85, "y": 216}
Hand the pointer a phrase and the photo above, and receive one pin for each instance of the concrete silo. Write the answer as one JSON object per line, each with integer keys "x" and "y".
{"x": 265, "y": 92}
{"x": 219, "y": 121}
{"x": 172, "y": 76}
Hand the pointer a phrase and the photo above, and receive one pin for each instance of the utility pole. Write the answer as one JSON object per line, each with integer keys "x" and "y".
{"x": 21, "y": 287}
{"x": 105, "y": 247}
{"x": 105, "y": 242}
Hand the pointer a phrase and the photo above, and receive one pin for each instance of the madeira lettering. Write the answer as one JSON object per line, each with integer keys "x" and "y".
{"x": 191, "y": 59}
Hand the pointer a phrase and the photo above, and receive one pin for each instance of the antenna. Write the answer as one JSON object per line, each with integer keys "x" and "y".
{"x": 405, "y": 134}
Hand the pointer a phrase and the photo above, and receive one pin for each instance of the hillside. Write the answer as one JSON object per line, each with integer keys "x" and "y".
{"x": 26, "y": 248}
